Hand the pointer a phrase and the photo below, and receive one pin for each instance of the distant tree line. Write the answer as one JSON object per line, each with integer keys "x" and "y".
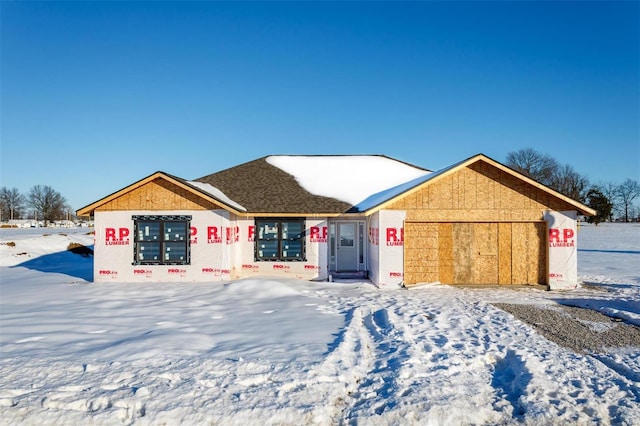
{"x": 612, "y": 201}
{"x": 41, "y": 203}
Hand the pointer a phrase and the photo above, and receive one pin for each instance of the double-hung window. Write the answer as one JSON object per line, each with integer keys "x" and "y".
{"x": 161, "y": 240}
{"x": 280, "y": 239}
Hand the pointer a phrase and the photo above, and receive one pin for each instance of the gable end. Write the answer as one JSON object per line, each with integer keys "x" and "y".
{"x": 158, "y": 194}
{"x": 478, "y": 190}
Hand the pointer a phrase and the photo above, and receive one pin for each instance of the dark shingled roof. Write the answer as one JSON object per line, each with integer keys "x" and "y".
{"x": 262, "y": 188}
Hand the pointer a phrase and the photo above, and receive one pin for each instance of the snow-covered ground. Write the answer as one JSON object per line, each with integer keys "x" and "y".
{"x": 261, "y": 352}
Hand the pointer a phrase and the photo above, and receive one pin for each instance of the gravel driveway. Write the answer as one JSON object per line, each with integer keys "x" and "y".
{"x": 579, "y": 329}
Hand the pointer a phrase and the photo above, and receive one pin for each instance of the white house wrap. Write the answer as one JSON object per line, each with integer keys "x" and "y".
{"x": 563, "y": 249}
{"x": 390, "y": 247}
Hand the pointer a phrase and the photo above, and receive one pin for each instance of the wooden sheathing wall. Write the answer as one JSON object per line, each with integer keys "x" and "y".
{"x": 475, "y": 253}
{"x": 479, "y": 192}
{"x": 477, "y": 225}
{"x": 159, "y": 194}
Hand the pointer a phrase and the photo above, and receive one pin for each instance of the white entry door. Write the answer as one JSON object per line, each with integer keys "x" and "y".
{"x": 347, "y": 247}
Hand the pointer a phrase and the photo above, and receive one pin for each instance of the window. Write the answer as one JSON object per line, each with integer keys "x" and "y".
{"x": 279, "y": 239}
{"x": 161, "y": 240}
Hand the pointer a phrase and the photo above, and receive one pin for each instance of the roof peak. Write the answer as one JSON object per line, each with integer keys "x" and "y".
{"x": 341, "y": 156}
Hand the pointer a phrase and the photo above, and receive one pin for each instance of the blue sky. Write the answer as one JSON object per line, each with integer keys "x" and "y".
{"x": 97, "y": 95}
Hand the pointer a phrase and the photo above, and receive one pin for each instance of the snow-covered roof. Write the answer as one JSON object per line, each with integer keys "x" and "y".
{"x": 385, "y": 195}
{"x": 351, "y": 179}
{"x": 310, "y": 184}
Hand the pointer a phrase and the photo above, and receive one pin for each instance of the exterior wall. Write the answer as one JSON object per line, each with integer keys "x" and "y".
{"x": 478, "y": 225}
{"x": 391, "y": 248}
{"x": 386, "y": 240}
{"x": 373, "y": 248}
{"x": 422, "y": 260}
{"x": 563, "y": 249}
{"x": 222, "y": 248}
{"x": 212, "y": 236}
{"x": 315, "y": 266}
{"x": 479, "y": 192}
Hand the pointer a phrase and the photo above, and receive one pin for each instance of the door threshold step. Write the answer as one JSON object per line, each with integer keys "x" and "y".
{"x": 333, "y": 275}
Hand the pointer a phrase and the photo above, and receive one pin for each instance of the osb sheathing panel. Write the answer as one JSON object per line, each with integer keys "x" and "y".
{"x": 421, "y": 252}
{"x": 504, "y": 253}
{"x": 468, "y": 189}
{"x": 485, "y": 244}
{"x": 520, "y": 247}
{"x": 528, "y": 253}
{"x": 158, "y": 194}
{"x": 475, "y": 253}
{"x": 446, "y": 259}
{"x": 463, "y": 252}
{"x": 478, "y": 192}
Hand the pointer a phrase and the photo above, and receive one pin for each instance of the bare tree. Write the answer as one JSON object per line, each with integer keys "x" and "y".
{"x": 540, "y": 167}
{"x": 11, "y": 203}
{"x": 570, "y": 183}
{"x": 546, "y": 170}
{"x": 48, "y": 203}
{"x": 610, "y": 190}
{"x": 628, "y": 191}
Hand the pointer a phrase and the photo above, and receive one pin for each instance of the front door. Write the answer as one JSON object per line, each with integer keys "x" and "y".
{"x": 347, "y": 247}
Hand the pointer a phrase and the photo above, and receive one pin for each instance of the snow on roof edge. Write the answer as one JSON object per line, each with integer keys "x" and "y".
{"x": 381, "y": 197}
{"x": 217, "y": 194}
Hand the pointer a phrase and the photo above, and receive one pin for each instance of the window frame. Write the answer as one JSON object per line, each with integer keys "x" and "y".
{"x": 164, "y": 243}
{"x": 281, "y": 247}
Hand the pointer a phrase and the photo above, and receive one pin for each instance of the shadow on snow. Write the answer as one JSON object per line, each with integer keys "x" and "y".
{"x": 64, "y": 262}
{"x": 511, "y": 377}
{"x": 609, "y": 251}
{"x": 339, "y": 336}
{"x": 616, "y": 308}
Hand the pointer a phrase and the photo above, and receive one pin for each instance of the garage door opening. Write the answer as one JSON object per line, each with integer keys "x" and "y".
{"x": 487, "y": 253}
